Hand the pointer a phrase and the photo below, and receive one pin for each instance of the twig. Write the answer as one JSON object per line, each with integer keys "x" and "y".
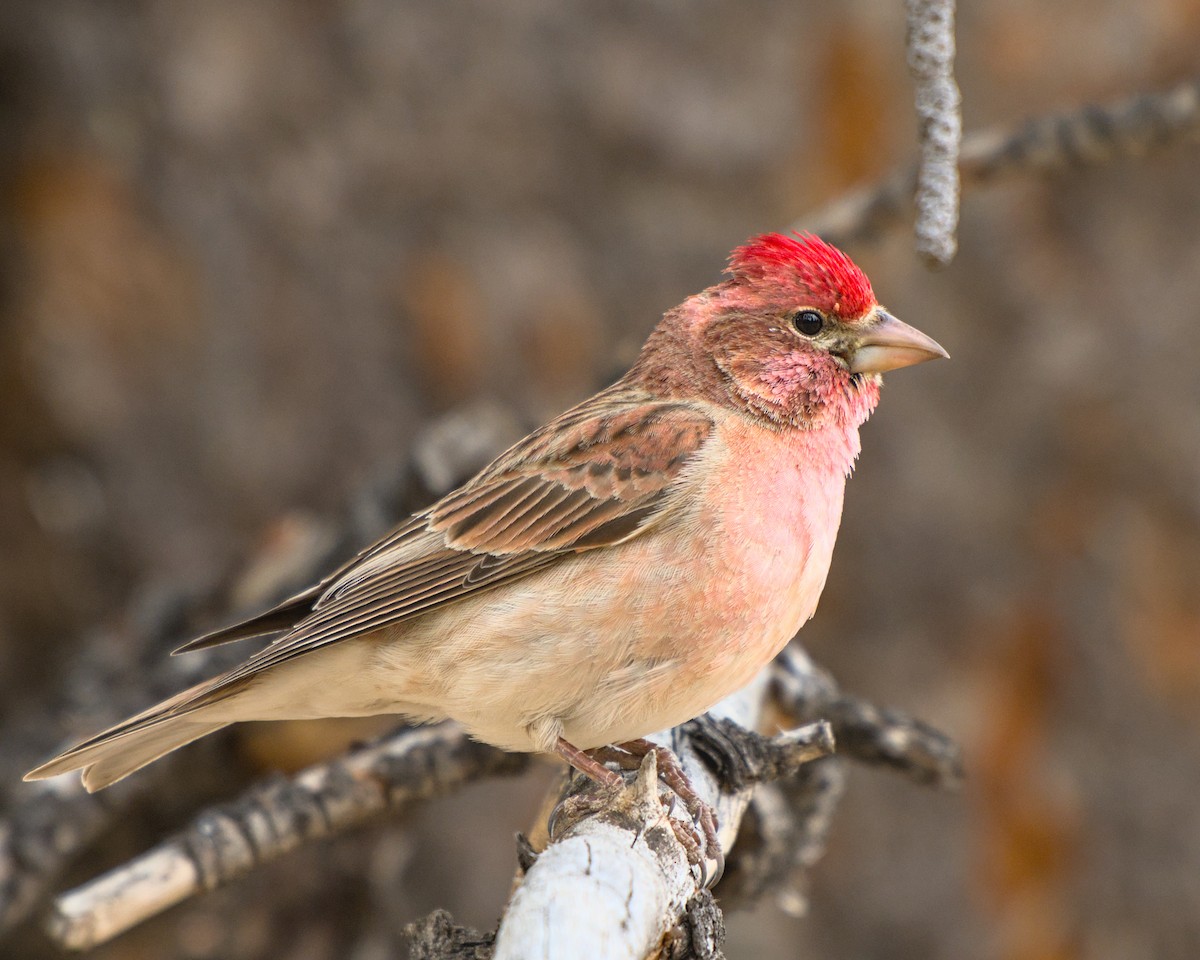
{"x": 740, "y": 758}
{"x": 437, "y": 937}
{"x": 865, "y": 732}
{"x": 939, "y": 127}
{"x": 1089, "y": 136}
{"x": 907, "y": 745}
{"x": 276, "y": 816}
{"x": 783, "y": 835}
{"x": 785, "y": 830}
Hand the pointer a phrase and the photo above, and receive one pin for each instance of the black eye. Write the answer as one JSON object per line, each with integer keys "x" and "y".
{"x": 808, "y": 322}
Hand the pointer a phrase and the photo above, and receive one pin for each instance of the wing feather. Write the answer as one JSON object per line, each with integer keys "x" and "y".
{"x": 598, "y": 475}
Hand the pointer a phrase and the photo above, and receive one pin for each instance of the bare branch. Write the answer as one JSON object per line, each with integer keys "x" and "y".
{"x": 740, "y": 758}
{"x": 865, "y": 732}
{"x": 437, "y": 937}
{"x": 783, "y": 835}
{"x": 276, "y": 816}
{"x": 699, "y": 936}
{"x": 617, "y": 881}
{"x": 1089, "y": 136}
{"x": 939, "y": 127}
{"x": 896, "y": 740}
{"x": 785, "y": 830}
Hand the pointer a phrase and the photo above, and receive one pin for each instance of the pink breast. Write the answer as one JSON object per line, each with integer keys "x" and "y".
{"x": 777, "y": 497}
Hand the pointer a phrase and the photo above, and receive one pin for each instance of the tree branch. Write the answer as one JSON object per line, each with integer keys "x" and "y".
{"x": 1088, "y": 136}
{"x": 616, "y": 881}
{"x": 939, "y": 127}
{"x": 804, "y": 692}
{"x": 276, "y": 816}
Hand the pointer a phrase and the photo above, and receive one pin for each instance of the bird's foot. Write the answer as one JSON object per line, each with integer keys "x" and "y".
{"x": 704, "y": 817}
{"x": 577, "y": 806}
{"x": 699, "y": 839}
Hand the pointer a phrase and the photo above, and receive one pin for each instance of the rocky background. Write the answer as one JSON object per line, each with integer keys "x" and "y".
{"x": 249, "y": 249}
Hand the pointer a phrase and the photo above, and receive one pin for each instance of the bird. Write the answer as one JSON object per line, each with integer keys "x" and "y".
{"x": 619, "y": 570}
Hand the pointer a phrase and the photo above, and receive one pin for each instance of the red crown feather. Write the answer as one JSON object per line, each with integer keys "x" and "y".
{"x": 833, "y": 281}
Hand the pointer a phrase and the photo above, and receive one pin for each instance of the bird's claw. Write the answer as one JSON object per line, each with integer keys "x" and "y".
{"x": 705, "y": 843}
{"x": 576, "y": 807}
{"x": 699, "y": 838}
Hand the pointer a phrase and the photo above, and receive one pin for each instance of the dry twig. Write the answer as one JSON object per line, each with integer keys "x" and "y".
{"x": 864, "y": 732}
{"x": 274, "y": 817}
{"x": 939, "y": 127}
{"x": 1091, "y": 135}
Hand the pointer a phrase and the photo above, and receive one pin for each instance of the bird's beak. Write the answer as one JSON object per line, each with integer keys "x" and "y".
{"x": 889, "y": 344}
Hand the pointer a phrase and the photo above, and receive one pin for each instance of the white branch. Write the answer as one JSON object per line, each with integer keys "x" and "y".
{"x": 618, "y": 880}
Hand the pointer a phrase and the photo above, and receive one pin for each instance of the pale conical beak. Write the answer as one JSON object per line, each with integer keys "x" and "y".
{"x": 889, "y": 344}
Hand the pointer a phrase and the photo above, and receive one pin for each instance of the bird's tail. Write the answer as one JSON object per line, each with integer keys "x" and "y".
{"x": 119, "y": 751}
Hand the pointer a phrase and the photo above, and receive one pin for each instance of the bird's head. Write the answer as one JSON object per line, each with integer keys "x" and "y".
{"x": 794, "y": 336}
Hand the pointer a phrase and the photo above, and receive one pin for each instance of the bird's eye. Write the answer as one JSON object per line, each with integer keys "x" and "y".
{"x": 808, "y": 322}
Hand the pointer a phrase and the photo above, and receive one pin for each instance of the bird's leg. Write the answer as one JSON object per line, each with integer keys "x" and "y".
{"x": 673, "y": 776}
{"x": 591, "y": 768}
{"x": 587, "y": 765}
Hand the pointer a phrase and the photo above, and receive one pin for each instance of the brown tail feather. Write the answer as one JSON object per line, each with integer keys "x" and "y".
{"x": 109, "y": 758}
{"x": 118, "y": 751}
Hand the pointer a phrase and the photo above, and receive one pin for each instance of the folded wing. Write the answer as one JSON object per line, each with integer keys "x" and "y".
{"x": 600, "y": 474}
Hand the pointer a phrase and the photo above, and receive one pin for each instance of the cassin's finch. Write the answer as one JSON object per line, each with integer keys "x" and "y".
{"x": 618, "y": 571}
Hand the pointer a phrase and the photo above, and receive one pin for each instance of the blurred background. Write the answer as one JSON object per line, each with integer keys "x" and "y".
{"x": 249, "y": 249}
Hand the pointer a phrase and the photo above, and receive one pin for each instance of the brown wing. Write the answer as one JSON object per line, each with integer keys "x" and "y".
{"x": 598, "y": 475}
{"x": 285, "y": 615}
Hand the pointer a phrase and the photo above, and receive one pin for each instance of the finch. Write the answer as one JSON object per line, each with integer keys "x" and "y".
{"x": 618, "y": 571}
